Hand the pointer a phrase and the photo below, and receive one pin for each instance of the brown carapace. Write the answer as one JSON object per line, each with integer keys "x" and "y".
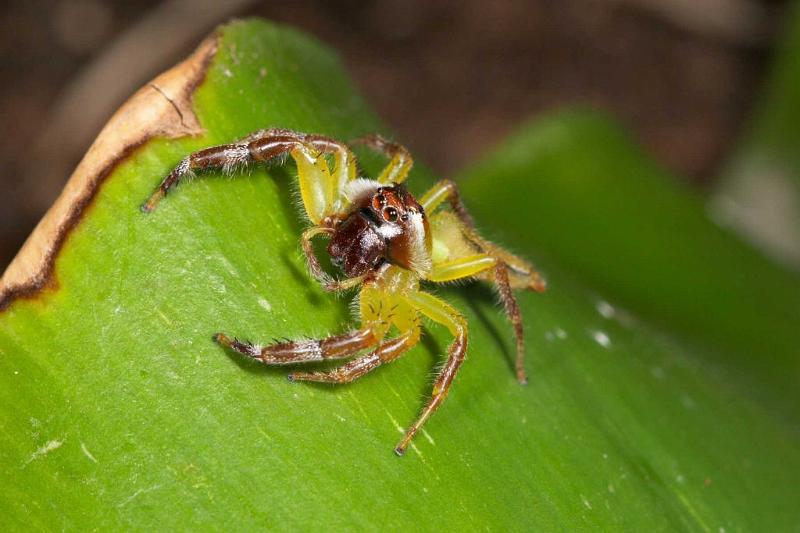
{"x": 385, "y": 242}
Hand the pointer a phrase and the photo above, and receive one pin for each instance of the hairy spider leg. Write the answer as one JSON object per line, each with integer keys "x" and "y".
{"x": 461, "y": 267}
{"x": 312, "y": 261}
{"x": 381, "y": 306}
{"x": 344, "y": 168}
{"x": 515, "y": 316}
{"x": 471, "y": 265}
{"x": 303, "y": 351}
{"x": 523, "y": 274}
{"x": 493, "y": 257}
{"x": 444, "y": 314}
{"x": 314, "y": 267}
{"x": 386, "y": 352}
{"x": 320, "y": 188}
{"x": 400, "y": 160}
{"x": 380, "y": 310}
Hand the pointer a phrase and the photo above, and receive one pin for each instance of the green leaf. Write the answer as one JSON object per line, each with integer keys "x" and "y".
{"x": 613, "y": 218}
{"x": 774, "y": 132}
{"x": 117, "y": 410}
{"x": 759, "y": 193}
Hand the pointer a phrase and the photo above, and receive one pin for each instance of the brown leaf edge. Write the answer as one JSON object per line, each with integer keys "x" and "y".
{"x": 162, "y": 108}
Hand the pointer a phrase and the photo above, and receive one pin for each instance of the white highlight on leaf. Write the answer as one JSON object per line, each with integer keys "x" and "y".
{"x": 605, "y": 309}
{"x": 44, "y": 450}
{"x": 87, "y": 453}
{"x": 557, "y": 333}
{"x": 139, "y": 492}
{"x": 601, "y": 338}
{"x": 397, "y": 426}
{"x": 586, "y": 502}
{"x": 265, "y": 304}
{"x": 416, "y": 450}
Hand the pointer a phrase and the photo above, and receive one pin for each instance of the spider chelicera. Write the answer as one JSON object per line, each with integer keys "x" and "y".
{"x": 384, "y": 241}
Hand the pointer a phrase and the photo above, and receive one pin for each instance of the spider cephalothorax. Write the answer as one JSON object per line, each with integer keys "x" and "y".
{"x": 382, "y": 239}
{"x": 385, "y": 223}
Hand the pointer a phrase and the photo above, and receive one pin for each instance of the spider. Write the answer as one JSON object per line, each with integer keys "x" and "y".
{"x": 383, "y": 240}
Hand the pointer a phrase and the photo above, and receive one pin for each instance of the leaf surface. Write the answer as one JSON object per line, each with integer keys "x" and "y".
{"x": 117, "y": 410}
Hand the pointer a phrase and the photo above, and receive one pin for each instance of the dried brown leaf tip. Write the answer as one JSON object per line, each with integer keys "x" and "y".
{"x": 162, "y": 108}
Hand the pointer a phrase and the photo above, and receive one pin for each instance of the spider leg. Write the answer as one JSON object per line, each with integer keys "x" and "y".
{"x": 522, "y": 273}
{"x": 444, "y": 314}
{"x": 400, "y": 160}
{"x": 284, "y": 353}
{"x": 320, "y": 189}
{"x": 464, "y": 267}
{"x": 386, "y": 352}
{"x": 446, "y": 190}
{"x": 327, "y": 282}
{"x": 344, "y": 168}
{"x": 512, "y": 312}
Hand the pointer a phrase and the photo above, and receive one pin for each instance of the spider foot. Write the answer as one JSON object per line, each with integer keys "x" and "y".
{"x": 151, "y": 202}
{"x": 538, "y": 283}
{"x": 244, "y": 348}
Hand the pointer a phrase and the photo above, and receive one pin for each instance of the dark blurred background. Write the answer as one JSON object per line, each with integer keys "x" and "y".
{"x": 450, "y": 77}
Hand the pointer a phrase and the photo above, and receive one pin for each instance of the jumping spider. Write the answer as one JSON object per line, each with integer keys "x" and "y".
{"x": 383, "y": 240}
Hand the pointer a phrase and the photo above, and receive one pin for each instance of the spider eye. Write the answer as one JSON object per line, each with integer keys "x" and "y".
{"x": 378, "y": 201}
{"x": 390, "y": 214}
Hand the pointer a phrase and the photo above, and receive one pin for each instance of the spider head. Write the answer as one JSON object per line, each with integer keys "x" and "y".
{"x": 385, "y": 224}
